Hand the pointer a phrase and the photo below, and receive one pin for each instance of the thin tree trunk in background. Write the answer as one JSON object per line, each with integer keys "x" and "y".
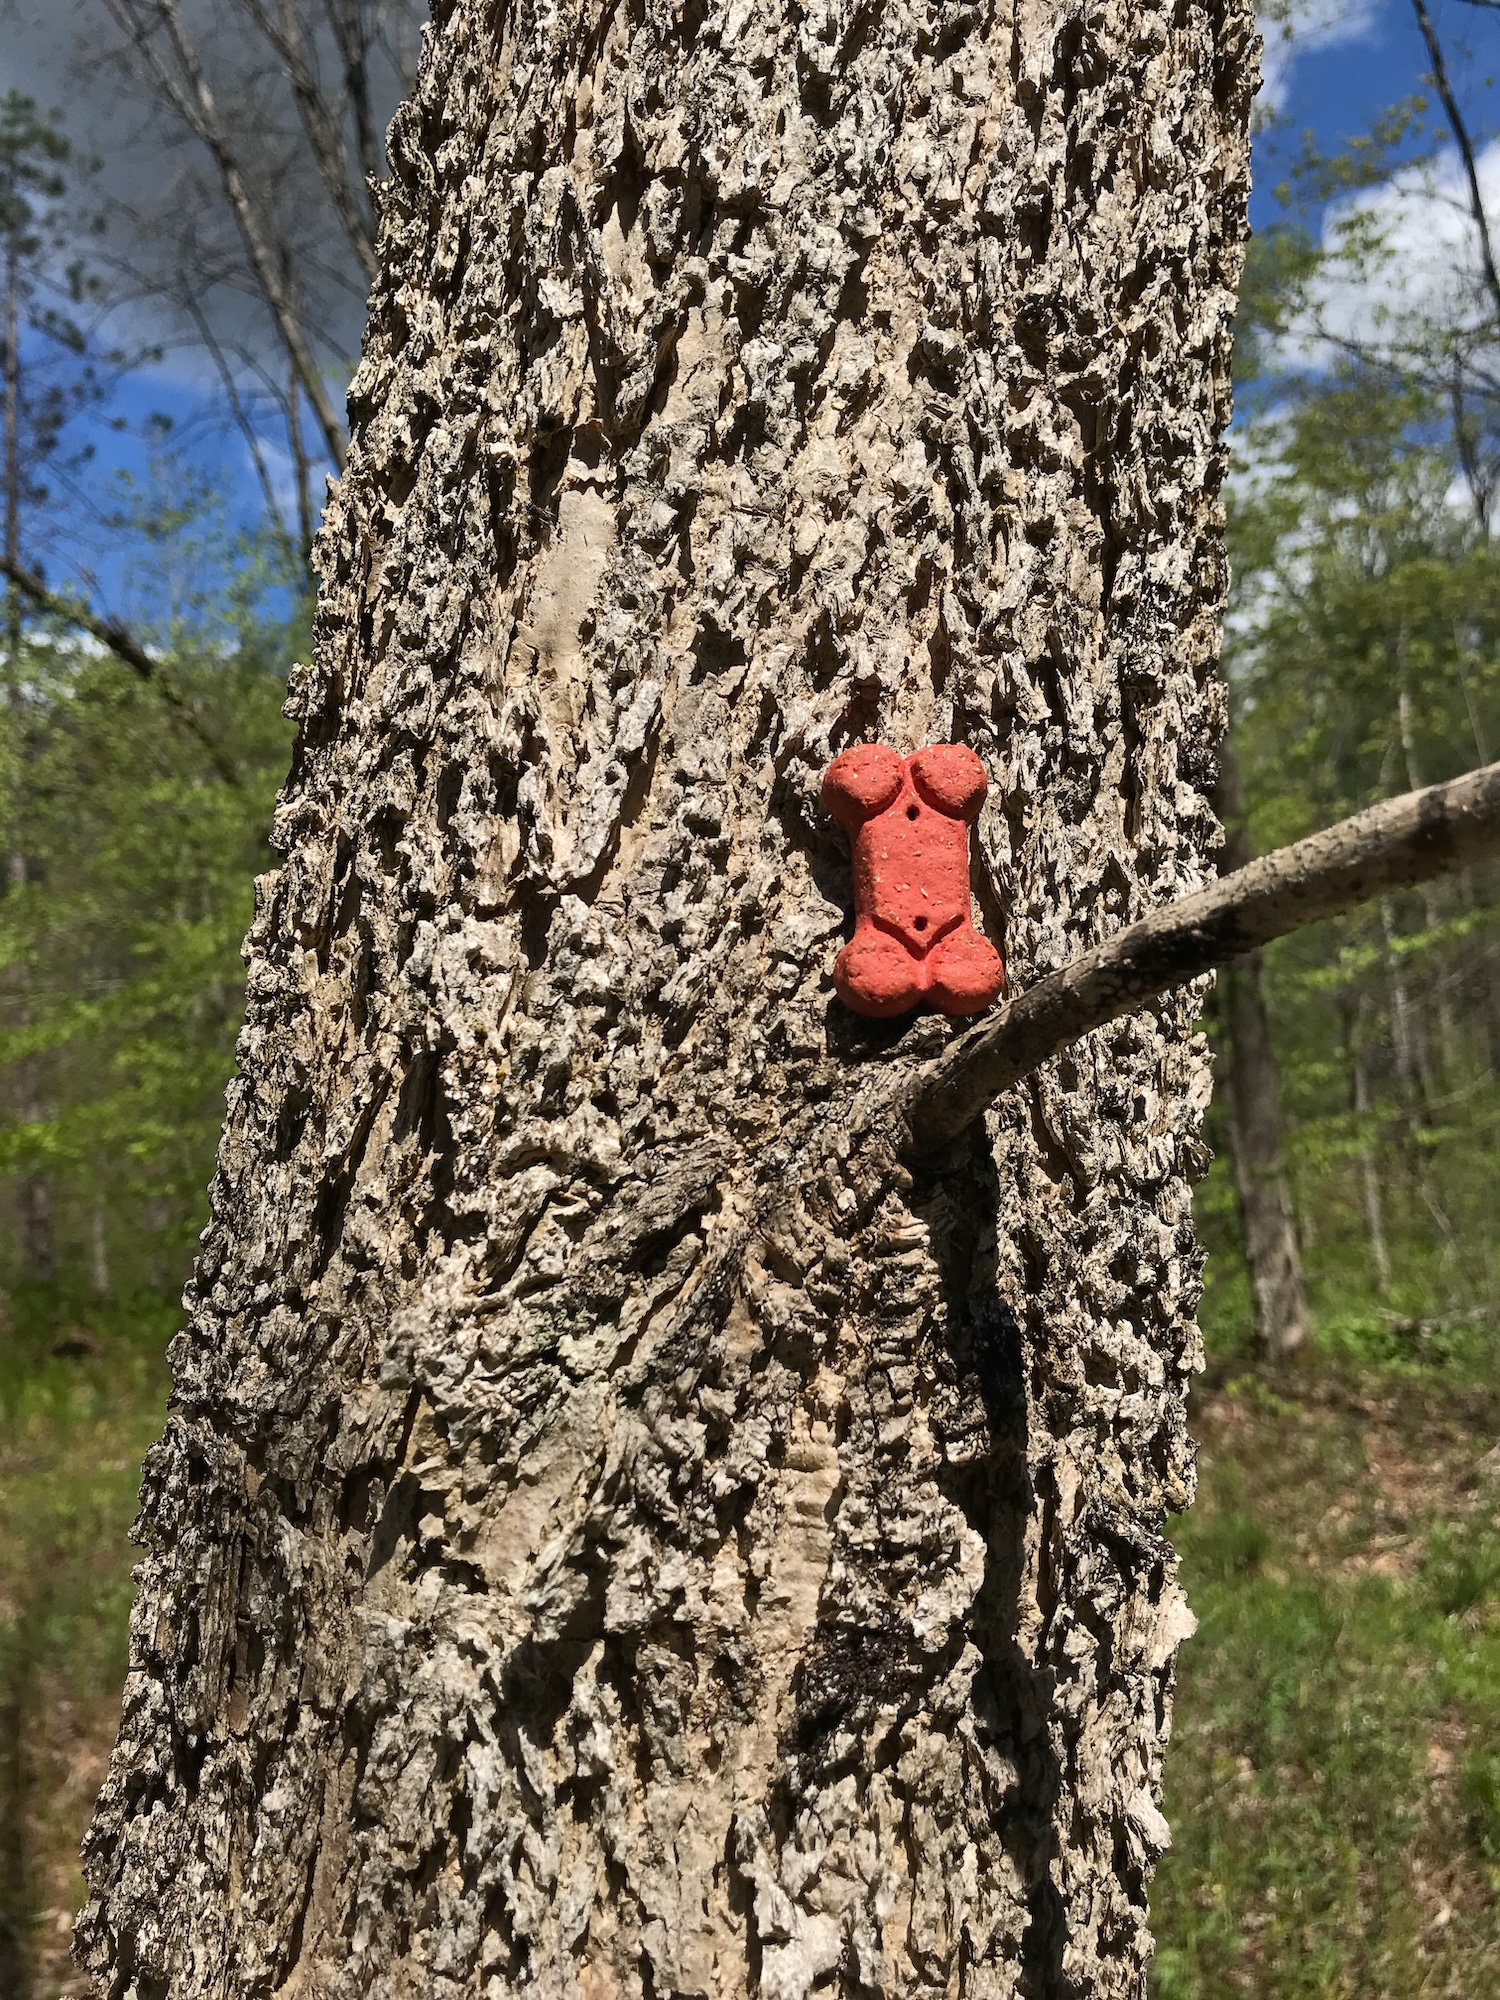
{"x": 1481, "y": 891}
{"x": 34, "y": 1210}
{"x": 15, "y": 1859}
{"x": 1413, "y": 1075}
{"x": 1481, "y": 885}
{"x": 1356, "y": 1020}
{"x": 1466, "y": 439}
{"x": 1271, "y": 1250}
{"x": 1432, "y": 912}
{"x": 610, "y": 1539}
{"x": 12, "y": 339}
{"x": 33, "y": 1191}
{"x": 1271, "y": 1253}
{"x": 99, "y": 1246}
{"x": 1413, "y": 1071}
{"x": 301, "y": 472}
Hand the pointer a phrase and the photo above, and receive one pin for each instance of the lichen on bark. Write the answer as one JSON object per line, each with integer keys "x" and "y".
{"x": 613, "y": 1535}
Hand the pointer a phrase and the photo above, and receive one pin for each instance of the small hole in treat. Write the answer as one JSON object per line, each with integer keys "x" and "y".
{"x": 921, "y": 923}
{"x": 911, "y": 812}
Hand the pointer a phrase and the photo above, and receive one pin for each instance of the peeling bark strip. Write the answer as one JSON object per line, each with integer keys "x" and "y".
{"x": 610, "y": 1538}
{"x": 1392, "y": 845}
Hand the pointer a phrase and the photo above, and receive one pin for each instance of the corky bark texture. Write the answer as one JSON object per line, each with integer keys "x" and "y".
{"x": 612, "y": 1539}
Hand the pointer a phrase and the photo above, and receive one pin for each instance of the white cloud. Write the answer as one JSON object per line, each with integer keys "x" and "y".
{"x": 1303, "y": 26}
{"x": 1427, "y": 268}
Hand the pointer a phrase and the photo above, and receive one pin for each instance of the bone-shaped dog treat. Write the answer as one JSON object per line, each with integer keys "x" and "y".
{"x": 908, "y": 822}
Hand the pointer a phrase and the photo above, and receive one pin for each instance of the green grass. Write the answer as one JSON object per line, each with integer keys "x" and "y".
{"x": 74, "y": 1427}
{"x": 1334, "y": 1779}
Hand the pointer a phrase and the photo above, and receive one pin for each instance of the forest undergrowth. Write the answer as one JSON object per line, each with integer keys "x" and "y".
{"x": 1333, "y": 1784}
{"x": 82, "y": 1397}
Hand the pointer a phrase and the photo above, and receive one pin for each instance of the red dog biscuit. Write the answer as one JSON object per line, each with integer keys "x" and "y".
{"x": 908, "y": 822}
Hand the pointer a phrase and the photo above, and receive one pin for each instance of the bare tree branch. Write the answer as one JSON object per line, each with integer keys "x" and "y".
{"x": 1466, "y": 150}
{"x": 1389, "y": 846}
{"x": 191, "y": 97}
{"x": 302, "y": 471}
{"x": 346, "y": 17}
{"x": 108, "y": 631}
{"x": 118, "y": 639}
{"x": 241, "y": 415}
{"x": 285, "y": 35}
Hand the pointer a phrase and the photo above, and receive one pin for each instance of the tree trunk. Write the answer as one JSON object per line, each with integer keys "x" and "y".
{"x": 608, "y": 1539}
{"x": 33, "y": 1191}
{"x": 99, "y": 1246}
{"x": 1413, "y": 1071}
{"x": 1271, "y": 1252}
{"x": 1439, "y": 977}
{"x": 1356, "y": 1023}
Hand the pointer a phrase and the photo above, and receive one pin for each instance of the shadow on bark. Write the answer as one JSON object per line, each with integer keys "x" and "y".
{"x": 985, "y": 1350}
{"x": 851, "y": 1679}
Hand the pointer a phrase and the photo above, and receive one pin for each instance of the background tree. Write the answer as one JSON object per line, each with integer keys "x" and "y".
{"x": 257, "y": 250}
{"x": 1360, "y": 647}
{"x": 1272, "y": 1256}
{"x": 1274, "y": 285}
{"x": 243, "y": 141}
{"x": 629, "y": 1547}
{"x": 46, "y": 375}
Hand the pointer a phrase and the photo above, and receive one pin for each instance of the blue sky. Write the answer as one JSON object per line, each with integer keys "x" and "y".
{"x": 1350, "y": 61}
{"x": 1346, "y": 62}
{"x": 1356, "y": 59}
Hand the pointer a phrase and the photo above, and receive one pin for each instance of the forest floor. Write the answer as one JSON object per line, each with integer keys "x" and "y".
{"x": 1334, "y": 1778}
{"x": 79, "y": 1406}
{"x": 1333, "y": 1783}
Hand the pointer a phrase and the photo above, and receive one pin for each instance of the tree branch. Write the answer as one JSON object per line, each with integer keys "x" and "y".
{"x": 117, "y": 639}
{"x": 1466, "y": 150}
{"x": 285, "y": 35}
{"x": 191, "y": 97}
{"x": 1389, "y": 846}
{"x": 110, "y": 633}
{"x": 194, "y": 310}
{"x": 354, "y": 47}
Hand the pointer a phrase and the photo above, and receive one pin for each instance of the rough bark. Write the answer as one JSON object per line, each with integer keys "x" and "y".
{"x": 607, "y": 1541}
